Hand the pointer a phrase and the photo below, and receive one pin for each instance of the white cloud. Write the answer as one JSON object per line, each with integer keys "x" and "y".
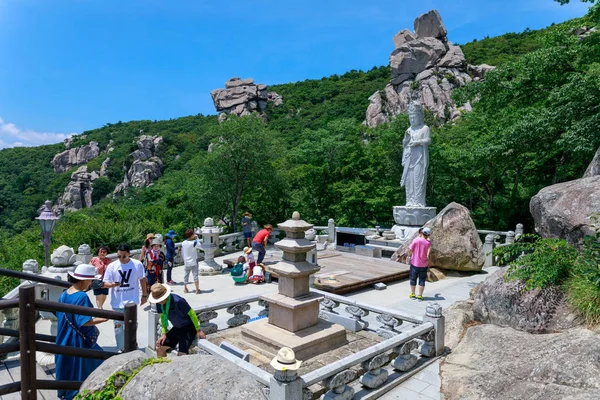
{"x": 12, "y": 136}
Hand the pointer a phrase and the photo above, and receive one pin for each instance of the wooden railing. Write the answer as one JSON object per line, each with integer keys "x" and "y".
{"x": 29, "y": 341}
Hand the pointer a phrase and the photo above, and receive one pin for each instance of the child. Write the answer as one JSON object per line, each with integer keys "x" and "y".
{"x": 154, "y": 261}
{"x": 239, "y": 272}
{"x": 257, "y": 274}
{"x": 251, "y": 260}
{"x": 419, "y": 260}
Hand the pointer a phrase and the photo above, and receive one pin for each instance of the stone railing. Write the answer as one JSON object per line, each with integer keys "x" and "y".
{"x": 492, "y": 240}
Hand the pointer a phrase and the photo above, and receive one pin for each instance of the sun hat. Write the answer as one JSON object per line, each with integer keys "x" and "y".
{"x": 171, "y": 234}
{"x": 426, "y": 231}
{"x": 150, "y": 236}
{"x": 247, "y": 250}
{"x": 157, "y": 240}
{"x": 85, "y": 272}
{"x": 159, "y": 292}
{"x": 285, "y": 360}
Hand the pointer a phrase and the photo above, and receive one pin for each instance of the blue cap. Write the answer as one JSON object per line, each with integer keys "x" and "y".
{"x": 426, "y": 231}
{"x": 171, "y": 233}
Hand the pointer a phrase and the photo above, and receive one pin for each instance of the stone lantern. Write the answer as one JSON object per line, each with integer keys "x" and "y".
{"x": 294, "y": 311}
{"x": 210, "y": 242}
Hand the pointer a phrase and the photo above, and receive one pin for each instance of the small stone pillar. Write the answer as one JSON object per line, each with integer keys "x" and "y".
{"x": 519, "y": 231}
{"x": 510, "y": 237}
{"x": 285, "y": 384}
{"x": 84, "y": 254}
{"x": 210, "y": 242}
{"x": 154, "y": 330}
{"x": 488, "y": 246}
{"x": 433, "y": 314}
{"x": 31, "y": 266}
{"x": 331, "y": 231}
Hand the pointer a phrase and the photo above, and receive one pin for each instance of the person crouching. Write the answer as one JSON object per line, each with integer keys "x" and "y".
{"x": 175, "y": 309}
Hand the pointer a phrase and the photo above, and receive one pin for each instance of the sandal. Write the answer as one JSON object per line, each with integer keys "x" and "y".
{"x": 198, "y": 291}
{"x": 185, "y": 290}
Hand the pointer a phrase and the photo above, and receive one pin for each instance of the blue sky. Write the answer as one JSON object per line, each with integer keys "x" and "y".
{"x": 71, "y": 65}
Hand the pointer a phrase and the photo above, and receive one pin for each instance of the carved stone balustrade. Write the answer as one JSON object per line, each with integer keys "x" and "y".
{"x": 239, "y": 318}
{"x": 357, "y": 313}
{"x": 389, "y": 325}
{"x": 376, "y": 375}
{"x": 405, "y": 360}
{"x": 205, "y": 324}
{"x": 427, "y": 349}
{"x": 329, "y": 304}
{"x": 265, "y": 311}
{"x": 337, "y": 385}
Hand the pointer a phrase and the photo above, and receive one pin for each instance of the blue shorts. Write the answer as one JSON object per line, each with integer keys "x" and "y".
{"x": 248, "y": 234}
{"x": 420, "y": 272}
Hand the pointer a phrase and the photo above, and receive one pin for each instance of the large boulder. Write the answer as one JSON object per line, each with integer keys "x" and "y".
{"x": 563, "y": 210}
{"x": 402, "y": 37}
{"x": 193, "y": 377}
{"x": 146, "y": 167}
{"x": 414, "y": 57}
{"x": 78, "y": 192}
{"x": 502, "y": 363}
{"x": 594, "y": 168}
{"x": 75, "y": 156}
{"x": 125, "y": 363}
{"x": 455, "y": 241}
{"x": 243, "y": 97}
{"x": 508, "y": 304}
{"x": 430, "y": 25}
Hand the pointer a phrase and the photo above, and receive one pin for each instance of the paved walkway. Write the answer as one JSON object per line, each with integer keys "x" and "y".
{"x": 218, "y": 288}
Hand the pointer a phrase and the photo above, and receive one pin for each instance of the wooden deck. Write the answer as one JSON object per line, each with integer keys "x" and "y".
{"x": 10, "y": 371}
{"x": 352, "y": 272}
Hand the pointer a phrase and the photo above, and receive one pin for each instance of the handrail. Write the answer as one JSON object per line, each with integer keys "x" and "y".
{"x": 35, "y": 278}
{"x": 379, "y": 310}
{"x": 226, "y": 304}
{"x": 9, "y": 303}
{"x": 38, "y": 336}
{"x": 74, "y": 351}
{"x": 328, "y": 370}
{"x": 47, "y": 305}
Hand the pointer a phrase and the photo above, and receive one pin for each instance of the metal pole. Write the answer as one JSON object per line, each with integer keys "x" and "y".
{"x": 27, "y": 342}
{"x": 130, "y": 314}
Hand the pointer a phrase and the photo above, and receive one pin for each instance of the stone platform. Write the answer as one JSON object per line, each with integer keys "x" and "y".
{"x": 413, "y": 216}
{"x": 306, "y": 343}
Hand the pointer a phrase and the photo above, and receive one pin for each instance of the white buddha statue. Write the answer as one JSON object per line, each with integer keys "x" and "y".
{"x": 415, "y": 156}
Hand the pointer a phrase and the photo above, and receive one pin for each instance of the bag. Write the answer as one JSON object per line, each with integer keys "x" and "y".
{"x": 89, "y": 340}
{"x": 237, "y": 270}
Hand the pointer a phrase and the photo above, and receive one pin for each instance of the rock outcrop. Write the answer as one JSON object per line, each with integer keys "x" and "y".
{"x": 146, "y": 167}
{"x": 78, "y": 193}
{"x": 594, "y": 168}
{"x": 563, "y": 210}
{"x": 213, "y": 379}
{"x": 491, "y": 362}
{"x": 507, "y": 304}
{"x": 75, "y": 156}
{"x": 243, "y": 97}
{"x": 455, "y": 241}
{"x": 426, "y": 62}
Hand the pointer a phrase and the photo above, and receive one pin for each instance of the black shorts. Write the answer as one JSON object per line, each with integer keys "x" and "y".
{"x": 415, "y": 272}
{"x": 100, "y": 291}
{"x": 247, "y": 235}
{"x": 184, "y": 337}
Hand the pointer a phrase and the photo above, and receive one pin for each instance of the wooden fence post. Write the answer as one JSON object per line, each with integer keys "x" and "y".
{"x": 27, "y": 342}
{"x": 130, "y": 321}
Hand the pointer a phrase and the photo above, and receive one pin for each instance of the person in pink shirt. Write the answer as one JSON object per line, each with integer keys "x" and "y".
{"x": 419, "y": 261}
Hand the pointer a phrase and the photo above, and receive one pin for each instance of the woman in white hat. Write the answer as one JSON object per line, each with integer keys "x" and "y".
{"x": 77, "y": 330}
{"x": 175, "y": 309}
{"x": 154, "y": 261}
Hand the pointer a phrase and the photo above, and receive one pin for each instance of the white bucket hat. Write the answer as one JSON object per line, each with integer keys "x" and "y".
{"x": 159, "y": 292}
{"x": 158, "y": 239}
{"x": 285, "y": 360}
{"x": 85, "y": 272}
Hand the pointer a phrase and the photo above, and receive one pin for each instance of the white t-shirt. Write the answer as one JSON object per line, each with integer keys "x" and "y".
{"x": 129, "y": 276}
{"x": 189, "y": 252}
{"x": 257, "y": 271}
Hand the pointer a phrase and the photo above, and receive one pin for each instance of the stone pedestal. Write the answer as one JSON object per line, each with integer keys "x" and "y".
{"x": 210, "y": 243}
{"x": 293, "y": 311}
{"x": 409, "y": 219}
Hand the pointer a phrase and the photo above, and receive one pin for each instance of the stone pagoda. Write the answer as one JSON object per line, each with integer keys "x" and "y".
{"x": 293, "y": 311}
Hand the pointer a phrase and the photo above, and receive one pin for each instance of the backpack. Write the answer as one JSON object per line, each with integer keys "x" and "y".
{"x": 237, "y": 270}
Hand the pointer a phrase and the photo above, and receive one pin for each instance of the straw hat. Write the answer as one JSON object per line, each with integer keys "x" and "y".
{"x": 85, "y": 272}
{"x": 159, "y": 292}
{"x": 150, "y": 236}
{"x": 247, "y": 250}
{"x": 285, "y": 360}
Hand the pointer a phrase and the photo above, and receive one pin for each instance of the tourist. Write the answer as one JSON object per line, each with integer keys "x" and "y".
{"x": 154, "y": 262}
{"x": 124, "y": 278}
{"x": 258, "y": 275}
{"x": 190, "y": 259}
{"x": 170, "y": 245}
{"x": 147, "y": 245}
{"x": 419, "y": 262}
{"x": 100, "y": 262}
{"x": 239, "y": 272}
{"x": 247, "y": 228}
{"x": 260, "y": 241}
{"x": 250, "y": 256}
{"x": 76, "y": 330}
{"x": 173, "y": 308}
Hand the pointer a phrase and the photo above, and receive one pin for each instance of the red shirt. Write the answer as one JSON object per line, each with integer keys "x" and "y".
{"x": 100, "y": 265}
{"x": 261, "y": 235}
{"x": 419, "y": 248}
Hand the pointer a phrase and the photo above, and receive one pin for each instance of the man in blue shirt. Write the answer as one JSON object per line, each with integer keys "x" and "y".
{"x": 173, "y": 308}
{"x": 170, "y": 245}
{"x": 247, "y": 228}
